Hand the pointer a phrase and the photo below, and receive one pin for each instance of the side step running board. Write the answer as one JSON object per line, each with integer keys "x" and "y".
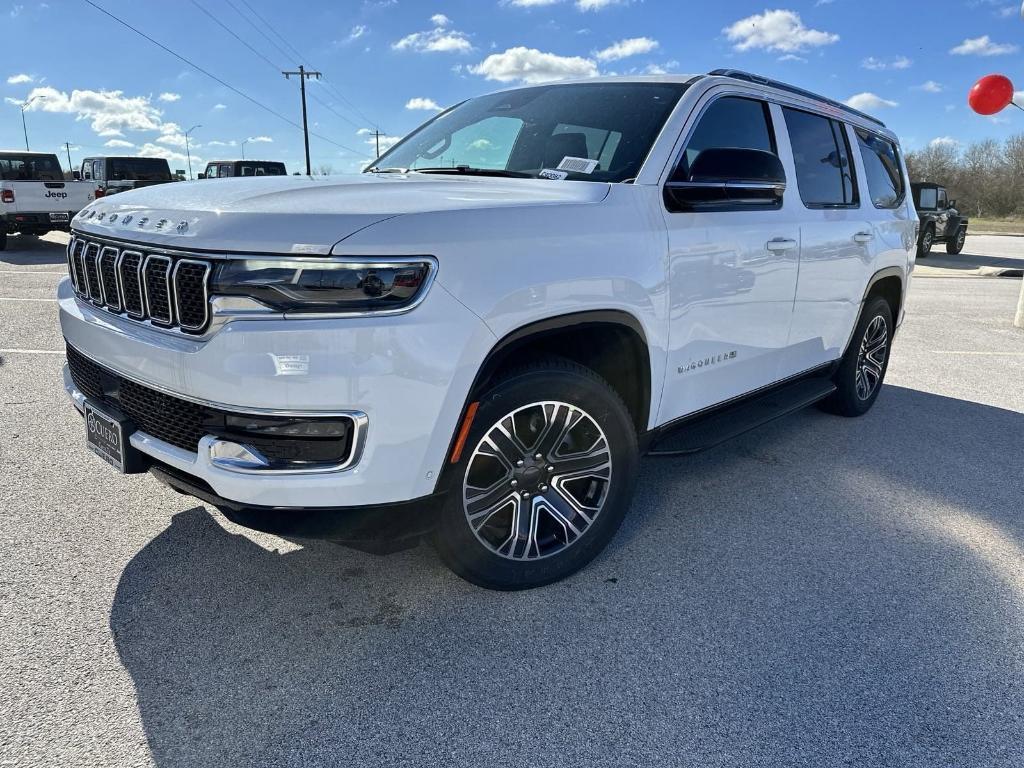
{"x": 703, "y": 432}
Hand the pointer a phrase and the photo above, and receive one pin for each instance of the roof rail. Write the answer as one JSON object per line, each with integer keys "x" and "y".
{"x": 739, "y": 74}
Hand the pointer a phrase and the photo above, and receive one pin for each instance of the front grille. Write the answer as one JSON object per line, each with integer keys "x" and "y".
{"x": 183, "y": 423}
{"x": 169, "y": 291}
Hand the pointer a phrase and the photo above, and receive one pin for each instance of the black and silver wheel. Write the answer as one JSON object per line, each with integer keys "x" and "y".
{"x": 860, "y": 374}
{"x": 924, "y": 245}
{"x": 956, "y": 244}
{"x": 544, "y": 480}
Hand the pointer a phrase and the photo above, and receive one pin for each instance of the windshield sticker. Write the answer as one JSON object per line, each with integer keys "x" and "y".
{"x": 578, "y": 165}
{"x": 547, "y": 173}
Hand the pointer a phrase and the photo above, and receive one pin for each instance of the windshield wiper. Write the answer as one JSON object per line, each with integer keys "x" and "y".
{"x": 387, "y": 170}
{"x": 467, "y": 170}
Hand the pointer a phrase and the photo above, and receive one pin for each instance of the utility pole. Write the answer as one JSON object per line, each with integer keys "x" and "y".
{"x": 244, "y": 142}
{"x": 23, "y": 106}
{"x": 376, "y": 135}
{"x": 188, "y": 155}
{"x": 67, "y": 146}
{"x": 302, "y": 75}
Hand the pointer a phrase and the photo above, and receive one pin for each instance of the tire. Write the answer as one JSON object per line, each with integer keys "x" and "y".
{"x": 862, "y": 370}
{"x": 3, "y": 241}
{"x": 576, "y": 498}
{"x": 956, "y": 245}
{"x": 924, "y": 245}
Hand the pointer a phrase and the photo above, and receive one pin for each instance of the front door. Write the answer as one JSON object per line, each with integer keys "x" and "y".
{"x": 732, "y": 273}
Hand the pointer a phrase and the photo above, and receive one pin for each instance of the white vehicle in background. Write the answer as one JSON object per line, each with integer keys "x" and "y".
{"x": 480, "y": 336}
{"x": 34, "y": 196}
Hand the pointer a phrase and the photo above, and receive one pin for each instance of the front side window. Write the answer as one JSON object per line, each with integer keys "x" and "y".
{"x": 821, "y": 153}
{"x": 729, "y": 122}
{"x": 942, "y": 199}
{"x": 529, "y": 130}
{"x": 97, "y": 170}
{"x": 882, "y": 168}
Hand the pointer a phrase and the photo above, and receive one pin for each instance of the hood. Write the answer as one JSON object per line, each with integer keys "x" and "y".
{"x": 303, "y": 215}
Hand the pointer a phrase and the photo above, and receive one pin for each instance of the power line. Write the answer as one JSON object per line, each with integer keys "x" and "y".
{"x": 213, "y": 77}
{"x": 252, "y": 24}
{"x": 271, "y": 28}
{"x": 232, "y": 32}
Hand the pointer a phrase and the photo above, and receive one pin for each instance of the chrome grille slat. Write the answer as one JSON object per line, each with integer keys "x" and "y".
{"x": 156, "y": 284}
{"x": 169, "y": 292}
{"x": 107, "y": 266}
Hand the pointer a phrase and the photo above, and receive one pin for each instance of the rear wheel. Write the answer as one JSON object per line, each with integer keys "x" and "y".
{"x": 862, "y": 369}
{"x": 544, "y": 480}
{"x": 924, "y": 245}
{"x": 956, "y": 244}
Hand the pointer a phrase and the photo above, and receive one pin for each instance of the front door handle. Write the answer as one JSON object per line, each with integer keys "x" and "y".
{"x": 863, "y": 237}
{"x": 780, "y": 244}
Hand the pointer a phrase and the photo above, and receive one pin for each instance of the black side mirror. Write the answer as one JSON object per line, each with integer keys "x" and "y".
{"x": 729, "y": 176}
{"x": 951, "y": 204}
{"x": 201, "y": 176}
{"x": 76, "y": 175}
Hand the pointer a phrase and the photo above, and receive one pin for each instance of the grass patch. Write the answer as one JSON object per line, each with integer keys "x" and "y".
{"x": 1000, "y": 226}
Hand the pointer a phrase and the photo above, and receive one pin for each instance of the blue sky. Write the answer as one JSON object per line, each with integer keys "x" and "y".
{"x": 389, "y": 64}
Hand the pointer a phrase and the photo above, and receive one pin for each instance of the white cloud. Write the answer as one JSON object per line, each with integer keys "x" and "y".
{"x": 440, "y": 39}
{"x": 982, "y": 46}
{"x": 776, "y": 31}
{"x": 944, "y": 141}
{"x": 531, "y": 3}
{"x": 386, "y": 143}
{"x": 19, "y": 79}
{"x": 793, "y": 57}
{"x": 359, "y": 30}
{"x": 597, "y": 5}
{"x": 900, "y": 62}
{"x": 422, "y": 103}
{"x": 533, "y": 66}
{"x": 119, "y": 144}
{"x": 929, "y": 86}
{"x": 869, "y": 102}
{"x": 632, "y": 46}
{"x": 440, "y": 20}
{"x": 168, "y": 96}
{"x": 260, "y": 140}
{"x": 110, "y": 112}
{"x": 176, "y": 159}
{"x": 220, "y": 106}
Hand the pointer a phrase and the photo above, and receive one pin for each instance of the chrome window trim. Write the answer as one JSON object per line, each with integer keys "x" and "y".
{"x": 155, "y": 257}
{"x": 103, "y": 283}
{"x": 138, "y": 277}
{"x": 206, "y": 293}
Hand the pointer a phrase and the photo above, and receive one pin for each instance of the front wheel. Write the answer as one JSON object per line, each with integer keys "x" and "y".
{"x": 544, "y": 480}
{"x": 860, "y": 374}
{"x": 956, "y": 245}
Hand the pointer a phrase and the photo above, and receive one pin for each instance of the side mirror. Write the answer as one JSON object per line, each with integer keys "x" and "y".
{"x": 729, "y": 176}
{"x": 76, "y": 175}
{"x": 201, "y": 176}
{"x": 951, "y": 204}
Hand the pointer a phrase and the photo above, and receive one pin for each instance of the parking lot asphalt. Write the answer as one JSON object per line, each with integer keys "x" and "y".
{"x": 820, "y": 592}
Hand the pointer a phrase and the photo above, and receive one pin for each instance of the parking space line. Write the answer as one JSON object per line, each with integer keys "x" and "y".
{"x": 975, "y": 352}
{"x": 31, "y": 352}
{"x": 32, "y": 272}
{"x": 11, "y": 298}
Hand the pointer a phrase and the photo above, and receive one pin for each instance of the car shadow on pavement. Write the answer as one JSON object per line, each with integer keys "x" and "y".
{"x": 822, "y": 591}
{"x": 25, "y": 251}
{"x": 968, "y": 261}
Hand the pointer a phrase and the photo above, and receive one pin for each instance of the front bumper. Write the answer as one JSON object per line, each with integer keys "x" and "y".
{"x": 409, "y": 374}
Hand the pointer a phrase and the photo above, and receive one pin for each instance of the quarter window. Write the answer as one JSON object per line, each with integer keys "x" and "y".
{"x": 821, "y": 153}
{"x": 728, "y": 122}
{"x": 882, "y": 168}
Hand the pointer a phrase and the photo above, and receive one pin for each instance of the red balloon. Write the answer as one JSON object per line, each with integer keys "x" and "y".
{"x": 990, "y": 94}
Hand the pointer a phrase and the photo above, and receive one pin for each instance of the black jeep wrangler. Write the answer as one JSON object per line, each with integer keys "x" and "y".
{"x": 940, "y": 220}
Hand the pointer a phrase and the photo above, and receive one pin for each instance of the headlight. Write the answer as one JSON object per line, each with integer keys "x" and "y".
{"x": 319, "y": 286}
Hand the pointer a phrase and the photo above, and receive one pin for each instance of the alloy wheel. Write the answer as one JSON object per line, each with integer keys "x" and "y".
{"x": 537, "y": 480}
{"x": 871, "y": 359}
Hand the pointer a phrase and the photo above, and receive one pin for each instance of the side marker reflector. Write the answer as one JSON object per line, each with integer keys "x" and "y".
{"x": 467, "y": 423}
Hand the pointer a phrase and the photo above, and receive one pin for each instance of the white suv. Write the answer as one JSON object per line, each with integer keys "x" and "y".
{"x": 480, "y": 336}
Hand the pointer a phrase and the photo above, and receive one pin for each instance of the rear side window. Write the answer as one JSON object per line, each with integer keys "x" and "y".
{"x": 926, "y": 198}
{"x": 882, "y": 168}
{"x": 821, "y": 154}
{"x": 728, "y": 122}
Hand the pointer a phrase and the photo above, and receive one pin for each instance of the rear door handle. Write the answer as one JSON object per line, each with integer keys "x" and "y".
{"x": 863, "y": 237}
{"x": 780, "y": 244}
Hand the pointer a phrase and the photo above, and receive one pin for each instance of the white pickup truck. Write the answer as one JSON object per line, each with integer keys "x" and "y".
{"x": 35, "y": 198}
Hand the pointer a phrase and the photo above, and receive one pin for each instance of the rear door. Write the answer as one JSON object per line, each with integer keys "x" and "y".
{"x": 732, "y": 270}
{"x": 836, "y": 239}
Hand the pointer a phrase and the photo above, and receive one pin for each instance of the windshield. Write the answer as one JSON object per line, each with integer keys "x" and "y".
{"x": 30, "y": 168}
{"x": 139, "y": 168}
{"x": 581, "y": 131}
